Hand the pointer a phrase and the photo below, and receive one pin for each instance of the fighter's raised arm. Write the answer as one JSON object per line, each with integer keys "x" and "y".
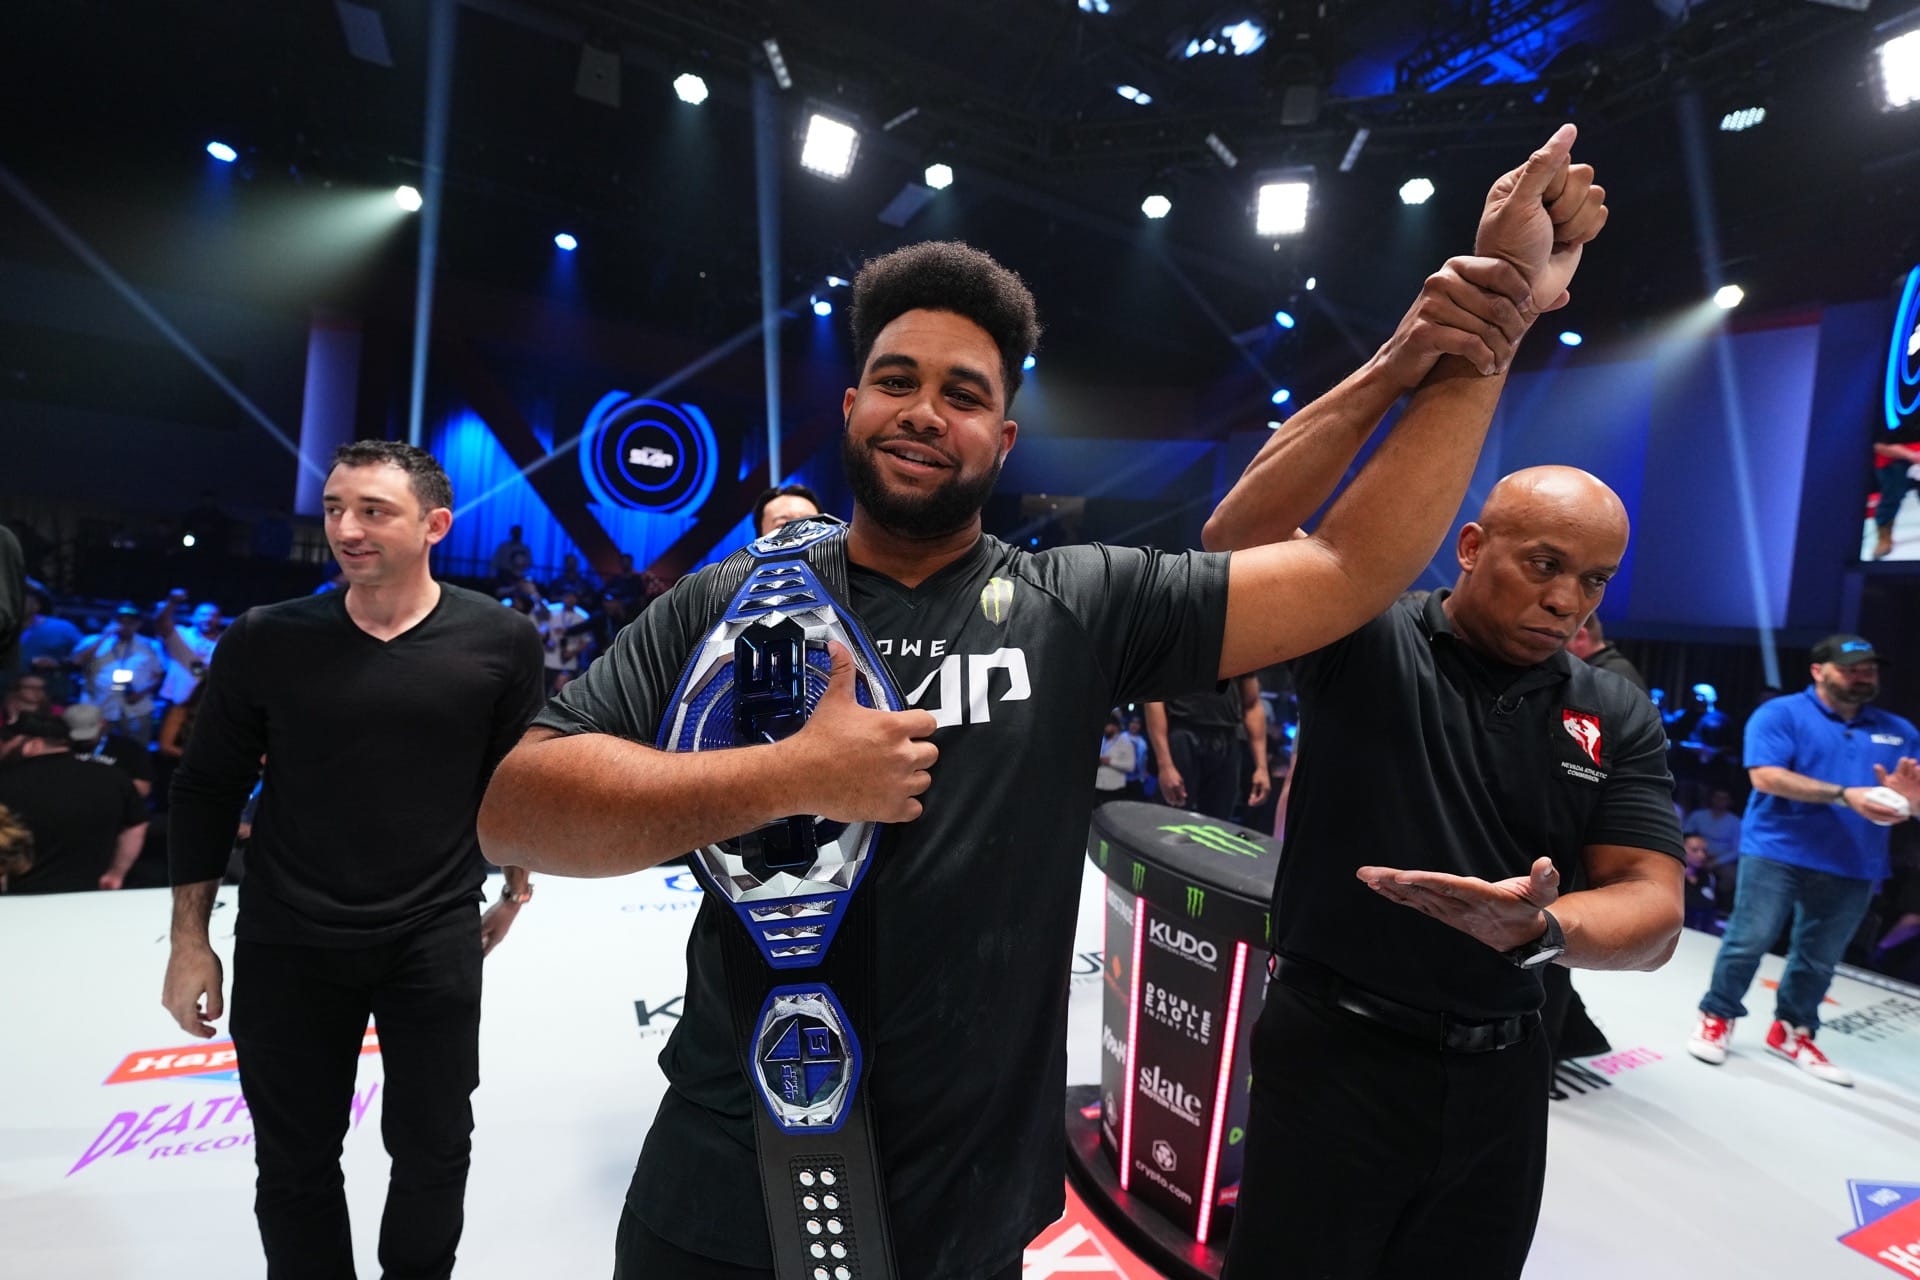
{"x": 1290, "y": 596}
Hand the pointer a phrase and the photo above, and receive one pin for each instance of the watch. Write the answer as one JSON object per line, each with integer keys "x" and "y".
{"x": 1543, "y": 949}
{"x": 508, "y": 895}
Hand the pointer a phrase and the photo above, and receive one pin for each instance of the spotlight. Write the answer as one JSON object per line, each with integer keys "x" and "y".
{"x": 1313, "y": 282}
{"x": 1281, "y": 208}
{"x": 1156, "y": 206}
{"x": 1728, "y": 296}
{"x": 1571, "y": 339}
{"x": 1028, "y": 363}
{"x": 1284, "y": 319}
{"x": 1245, "y": 37}
{"x": 1742, "y": 120}
{"x": 186, "y": 539}
{"x": 408, "y": 198}
{"x": 835, "y": 282}
{"x": 821, "y": 307}
{"x": 222, "y": 152}
{"x": 1096, "y": 6}
{"x": 1282, "y": 396}
{"x": 1221, "y": 151}
{"x": 1897, "y": 63}
{"x": 1139, "y": 97}
{"x": 691, "y": 89}
{"x": 829, "y": 146}
{"x": 1274, "y": 424}
{"x": 565, "y": 242}
{"x": 939, "y": 176}
{"x": 1416, "y": 191}
{"x": 777, "y": 63}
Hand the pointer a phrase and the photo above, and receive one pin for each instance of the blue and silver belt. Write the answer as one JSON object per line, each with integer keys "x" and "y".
{"x": 796, "y": 997}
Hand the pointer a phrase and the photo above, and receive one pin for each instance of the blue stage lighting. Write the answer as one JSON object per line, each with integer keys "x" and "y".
{"x": 566, "y": 243}
{"x": 222, "y": 152}
{"x": 1028, "y": 364}
{"x": 1284, "y": 319}
{"x": 1282, "y": 396}
{"x": 1571, "y": 339}
{"x": 821, "y": 307}
{"x": 1313, "y": 282}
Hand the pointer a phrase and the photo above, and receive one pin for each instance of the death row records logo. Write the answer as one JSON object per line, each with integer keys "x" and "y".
{"x": 199, "y": 1126}
{"x": 216, "y": 1061}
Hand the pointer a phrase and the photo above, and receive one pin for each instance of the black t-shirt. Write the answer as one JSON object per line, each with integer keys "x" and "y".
{"x": 1417, "y": 753}
{"x": 118, "y": 751}
{"x": 1019, "y": 657}
{"x": 1213, "y": 710}
{"x": 377, "y": 755}
{"x": 76, "y": 812}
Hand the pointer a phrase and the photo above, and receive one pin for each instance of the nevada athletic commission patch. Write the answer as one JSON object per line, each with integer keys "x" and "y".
{"x": 996, "y": 599}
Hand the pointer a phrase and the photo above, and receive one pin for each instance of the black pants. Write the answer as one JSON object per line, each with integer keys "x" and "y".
{"x": 1370, "y": 1154}
{"x": 299, "y": 1014}
{"x": 1209, "y": 763}
{"x": 639, "y": 1254}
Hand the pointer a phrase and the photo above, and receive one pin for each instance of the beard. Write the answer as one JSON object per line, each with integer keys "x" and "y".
{"x": 1861, "y": 692}
{"x": 946, "y": 510}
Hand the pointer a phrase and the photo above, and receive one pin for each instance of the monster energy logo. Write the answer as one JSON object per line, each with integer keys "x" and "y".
{"x": 1218, "y": 839}
{"x": 1139, "y": 876}
{"x": 1103, "y": 855}
{"x": 1196, "y": 900}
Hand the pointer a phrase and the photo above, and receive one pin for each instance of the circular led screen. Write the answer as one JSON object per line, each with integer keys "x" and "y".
{"x": 647, "y": 455}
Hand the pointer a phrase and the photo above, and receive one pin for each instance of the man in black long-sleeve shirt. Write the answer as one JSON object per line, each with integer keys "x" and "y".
{"x": 381, "y": 712}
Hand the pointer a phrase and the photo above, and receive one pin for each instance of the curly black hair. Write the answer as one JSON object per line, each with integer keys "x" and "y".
{"x": 946, "y": 275}
{"x": 424, "y": 474}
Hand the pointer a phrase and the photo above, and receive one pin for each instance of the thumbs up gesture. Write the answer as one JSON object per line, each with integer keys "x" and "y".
{"x": 864, "y": 765}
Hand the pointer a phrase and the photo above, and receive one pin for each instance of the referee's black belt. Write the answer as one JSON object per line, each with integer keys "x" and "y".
{"x": 1439, "y": 1030}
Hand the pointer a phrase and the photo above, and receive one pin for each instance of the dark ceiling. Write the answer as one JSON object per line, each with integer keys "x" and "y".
{"x": 104, "y": 109}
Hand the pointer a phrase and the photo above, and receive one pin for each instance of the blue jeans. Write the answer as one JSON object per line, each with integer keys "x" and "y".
{"x": 1826, "y": 910}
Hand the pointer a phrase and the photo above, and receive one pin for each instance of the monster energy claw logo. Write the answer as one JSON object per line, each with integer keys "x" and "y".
{"x": 996, "y": 599}
{"x": 1103, "y": 855}
{"x": 1218, "y": 839}
{"x": 1196, "y": 900}
{"x": 1139, "y": 875}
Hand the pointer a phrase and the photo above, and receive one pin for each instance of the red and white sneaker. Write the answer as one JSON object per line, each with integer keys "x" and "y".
{"x": 1796, "y": 1045}
{"x": 1709, "y": 1039}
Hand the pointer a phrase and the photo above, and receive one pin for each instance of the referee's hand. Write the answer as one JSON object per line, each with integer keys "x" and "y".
{"x": 1503, "y": 914}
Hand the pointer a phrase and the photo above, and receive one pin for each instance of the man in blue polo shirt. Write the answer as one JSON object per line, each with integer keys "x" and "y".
{"x": 1812, "y": 845}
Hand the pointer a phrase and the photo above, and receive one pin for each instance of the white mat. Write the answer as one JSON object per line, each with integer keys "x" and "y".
{"x": 1671, "y": 1169}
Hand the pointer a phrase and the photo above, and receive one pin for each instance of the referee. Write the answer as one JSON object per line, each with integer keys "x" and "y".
{"x": 1400, "y": 1077}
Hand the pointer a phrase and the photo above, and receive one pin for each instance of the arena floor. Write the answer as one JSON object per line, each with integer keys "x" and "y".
{"x": 116, "y": 1161}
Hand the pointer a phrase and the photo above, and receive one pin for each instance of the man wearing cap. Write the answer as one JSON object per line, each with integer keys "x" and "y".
{"x": 1830, "y": 774}
{"x": 93, "y": 743}
{"x": 120, "y": 671}
{"x": 88, "y": 823}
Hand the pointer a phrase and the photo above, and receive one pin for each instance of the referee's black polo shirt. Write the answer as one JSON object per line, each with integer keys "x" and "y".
{"x": 1418, "y": 753}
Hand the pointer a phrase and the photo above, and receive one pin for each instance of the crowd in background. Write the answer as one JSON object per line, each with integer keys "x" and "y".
{"x": 116, "y": 685}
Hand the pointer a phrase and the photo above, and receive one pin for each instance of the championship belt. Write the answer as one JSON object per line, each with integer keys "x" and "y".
{"x": 753, "y": 678}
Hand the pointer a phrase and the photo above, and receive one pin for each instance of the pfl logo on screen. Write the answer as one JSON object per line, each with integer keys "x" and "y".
{"x": 647, "y": 455}
{"x": 1903, "y": 357}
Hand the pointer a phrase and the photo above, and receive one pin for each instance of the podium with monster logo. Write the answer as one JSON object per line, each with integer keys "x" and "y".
{"x": 1157, "y": 1147}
